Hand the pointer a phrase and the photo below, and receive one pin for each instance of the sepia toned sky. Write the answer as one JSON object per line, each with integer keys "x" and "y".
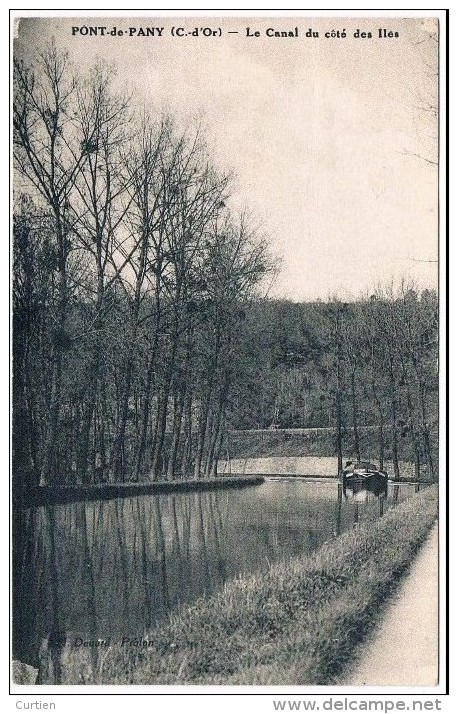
{"x": 331, "y": 139}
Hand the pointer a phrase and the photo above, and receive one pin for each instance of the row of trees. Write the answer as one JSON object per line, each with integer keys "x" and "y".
{"x": 131, "y": 277}
{"x": 138, "y": 339}
{"x": 387, "y": 349}
{"x": 363, "y": 368}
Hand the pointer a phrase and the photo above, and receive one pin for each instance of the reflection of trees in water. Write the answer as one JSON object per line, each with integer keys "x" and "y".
{"x": 368, "y": 504}
{"x": 202, "y": 545}
{"x": 339, "y": 510}
{"x": 144, "y": 521}
{"x": 217, "y": 524}
{"x": 161, "y": 553}
{"x": 50, "y": 665}
{"x": 26, "y": 585}
{"x": 186, "y": 519}
{"x": 121, "y": 553}
{"x": 88, "y": 565}
{"x": 73, "y": 524}
{"x": 97, "y": 535}
{"x": 112, "y": 568}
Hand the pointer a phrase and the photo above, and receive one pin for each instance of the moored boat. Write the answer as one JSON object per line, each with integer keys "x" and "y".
{"x": 364, "y": 474}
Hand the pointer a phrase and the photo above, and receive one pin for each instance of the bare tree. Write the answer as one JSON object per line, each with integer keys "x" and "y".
{"x": 44, "y": 95}
{"x": 99, "y": 208}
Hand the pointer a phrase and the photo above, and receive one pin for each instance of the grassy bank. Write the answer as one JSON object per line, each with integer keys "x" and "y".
{"x": 43, "y": 495}
{"x": 298, "y": 624}
{"x": 253, "y": 443}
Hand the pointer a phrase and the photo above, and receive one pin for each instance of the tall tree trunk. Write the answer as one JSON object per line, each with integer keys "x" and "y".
{"x": 118, "y": 447}
{"x": 206, "y": 455}
{"x": 426, "y": 435}
{"x": 381, "y": 436}
{"x": 394, "y": 418}
{"x": 84, "y": 473}
{"x": 202, "y": 432}
{"x": 141, "y": 450}
{"x": 217, "y": 440}
{"x": 49, "y": 469}
{"x": 186, "y": 461}
{"x": 355, "y": 417}
{"x": 177, "y": 419}
{"x": 217, "y": 453}
{"x": 163, "y": 404}
{"x": 25, "y": 462}
{"x": 339, "y": 415}
{"x": 411, "y": 422}
{"x": 50, "y": 461}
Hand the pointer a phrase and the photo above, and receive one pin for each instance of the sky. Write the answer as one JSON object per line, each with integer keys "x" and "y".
{"x": 330, "y": 138}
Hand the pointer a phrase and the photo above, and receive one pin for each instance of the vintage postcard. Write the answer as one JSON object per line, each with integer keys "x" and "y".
{"x": 228, "y": 256}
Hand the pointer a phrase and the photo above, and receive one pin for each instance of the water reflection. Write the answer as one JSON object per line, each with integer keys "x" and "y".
{"x": 108, "y": 569}
{"x": 363, "y": 492}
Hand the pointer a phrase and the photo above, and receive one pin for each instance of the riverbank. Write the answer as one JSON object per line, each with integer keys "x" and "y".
{"x": 257, "y": 444}
{"x": 311, "y": 466}
{"x": 412, "y": 642}
{"x": 44, "y": 495}
{"x": 297, "y": 624}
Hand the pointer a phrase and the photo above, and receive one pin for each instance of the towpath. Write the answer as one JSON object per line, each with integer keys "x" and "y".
{"x": 403, "y": 649}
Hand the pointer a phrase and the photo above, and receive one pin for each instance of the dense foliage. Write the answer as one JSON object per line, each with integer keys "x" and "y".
{"x": 365, "y": 370}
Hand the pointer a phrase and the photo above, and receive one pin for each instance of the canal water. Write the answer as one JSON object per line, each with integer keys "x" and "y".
{"x": 112, "y": 569}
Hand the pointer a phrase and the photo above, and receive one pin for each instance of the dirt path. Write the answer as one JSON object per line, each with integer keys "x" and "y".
{"x": 403, "y": 649}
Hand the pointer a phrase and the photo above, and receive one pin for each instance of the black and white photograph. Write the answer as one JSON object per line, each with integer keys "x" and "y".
{"x": 227, "y": 293}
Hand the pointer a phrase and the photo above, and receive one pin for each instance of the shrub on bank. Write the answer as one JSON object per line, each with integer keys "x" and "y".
{"x": 296, "y": 624}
